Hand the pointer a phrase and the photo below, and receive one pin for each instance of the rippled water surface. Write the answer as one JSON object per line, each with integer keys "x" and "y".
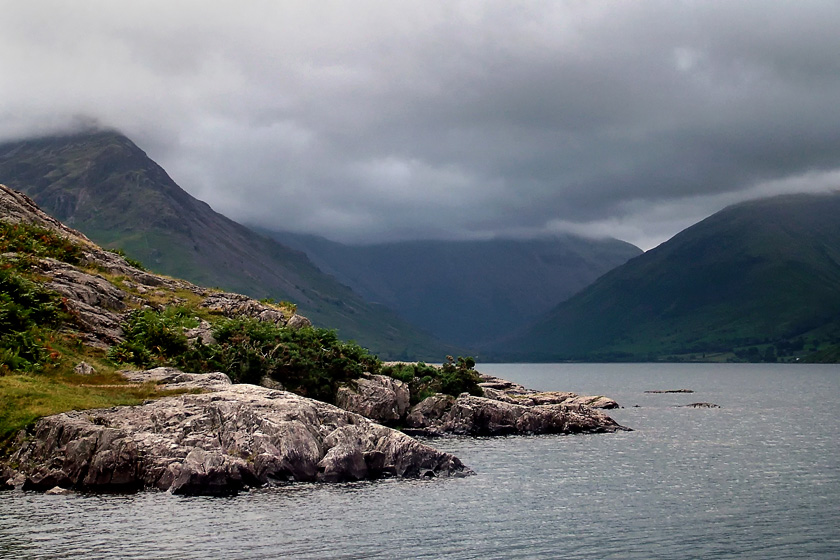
{"x": 757, "y": 478}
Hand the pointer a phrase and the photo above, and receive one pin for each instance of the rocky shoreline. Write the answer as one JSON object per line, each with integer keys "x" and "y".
{"x": 216, "y": 442}
{"x": 220, "y": 438}
{"x": 230, "y": 437}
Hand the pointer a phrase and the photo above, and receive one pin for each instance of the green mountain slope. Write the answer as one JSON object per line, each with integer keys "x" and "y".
{"x": 469, "y": 292}
{"x": 102, "y": 184}
{"x": 754, "y": 281}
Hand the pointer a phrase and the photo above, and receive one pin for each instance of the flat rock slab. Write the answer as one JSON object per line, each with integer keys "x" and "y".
{"x": 479, "y": 416}
{"x": 217, "y": 443}
{"x": 503, "y": 390}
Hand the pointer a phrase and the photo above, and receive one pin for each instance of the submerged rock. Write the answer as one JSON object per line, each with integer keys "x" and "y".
{"x": 217, "y": 443}
{"x": 701, "y": 405}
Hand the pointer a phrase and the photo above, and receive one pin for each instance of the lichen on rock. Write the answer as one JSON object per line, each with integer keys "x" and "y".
{"x": 217, "y": 442}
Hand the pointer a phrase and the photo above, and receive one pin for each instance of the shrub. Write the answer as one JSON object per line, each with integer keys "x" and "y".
{"x": 25, "y": 307}
{"x": 309, "y": 361}
{"x": 154, "y": 337}
{"x": 452, "y": 378}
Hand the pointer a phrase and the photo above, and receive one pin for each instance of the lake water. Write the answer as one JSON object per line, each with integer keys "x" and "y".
{"x": 757, "y": 478}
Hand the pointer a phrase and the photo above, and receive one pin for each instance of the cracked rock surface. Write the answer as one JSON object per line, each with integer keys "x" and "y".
{"x": 216, "y": 443}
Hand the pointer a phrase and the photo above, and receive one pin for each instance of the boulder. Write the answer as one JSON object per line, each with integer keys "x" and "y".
{"x": 84, "y": 368}
{"x": 378, "y": 397}
{"x": 219, "y": 442}
{"x": 429, "y": 412}
{"x": 203, "y": 334}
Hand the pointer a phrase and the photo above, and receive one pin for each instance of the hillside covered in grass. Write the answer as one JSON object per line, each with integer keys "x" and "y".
{"x": 467, "y": 292}
{"x": 72, "y": 315}
{"x": 758, "y": 281}
{"x": 103, "y": 185}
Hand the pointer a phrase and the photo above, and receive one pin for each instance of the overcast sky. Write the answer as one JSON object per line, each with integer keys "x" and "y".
{"x": 366, "y": 121}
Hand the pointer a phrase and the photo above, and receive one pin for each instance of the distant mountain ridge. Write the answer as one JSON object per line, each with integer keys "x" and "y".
{"x": 756, "y": 281}
{"x": 467, "y": 292}
{"x": 104, "y": 185}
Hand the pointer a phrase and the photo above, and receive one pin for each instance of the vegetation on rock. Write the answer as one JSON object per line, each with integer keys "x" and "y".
{"x": 26, "y": 307}
{"x": 31, "y": 241}
{"x": 25, "y": 310}
{"x": 41, "y": 342}
{"x": 452, "y": 378}
{"x": 309, "y": 361}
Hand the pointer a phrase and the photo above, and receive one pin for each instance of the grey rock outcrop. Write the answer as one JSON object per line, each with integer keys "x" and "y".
{"x": 95, "y": 304}
{"x": 237, "y": 305}
{"x": 16, "y": 207}
{"x": 507, "y": 391}
{"x": 170, "y": 378}
{"x": 217, "y": 443}
{"x": 203, "y": 333}
{"x": 378, "y": 397}
{"x": 481, "y": 416}
{"x": 98, "y": 306}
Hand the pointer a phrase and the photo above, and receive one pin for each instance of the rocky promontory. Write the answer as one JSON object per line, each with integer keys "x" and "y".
{"x": 480, "y": 416}
{"x": 218, "y": 437}
{"x": 216, "y": 442}
{"x": 505, "y": 408}
{"x": 507, "y": 391}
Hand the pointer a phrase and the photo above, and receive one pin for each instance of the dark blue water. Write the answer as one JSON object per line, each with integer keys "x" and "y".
{"x": 757, "y": 478}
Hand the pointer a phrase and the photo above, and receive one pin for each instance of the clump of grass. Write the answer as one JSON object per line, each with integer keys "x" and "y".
{"x": 29, "y": 397}
{"x": 287, "y": 307}
{"x": 132, "y": 262}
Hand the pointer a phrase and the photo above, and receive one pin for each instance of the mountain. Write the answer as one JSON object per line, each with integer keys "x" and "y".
{"x": 467, "y": 292}
{"x": 102, "y": 184}
{"x": 756, "y": 281}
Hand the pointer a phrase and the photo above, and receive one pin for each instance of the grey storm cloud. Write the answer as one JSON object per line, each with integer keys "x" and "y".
{"x": 369, "y": 120}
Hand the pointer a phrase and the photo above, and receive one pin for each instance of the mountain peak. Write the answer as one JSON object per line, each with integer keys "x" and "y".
{"x": 759, "y": 274}
{"x": 104, "y": 185}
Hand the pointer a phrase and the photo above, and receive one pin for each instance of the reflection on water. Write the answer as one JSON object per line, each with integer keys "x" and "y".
{"x": 757, "y": 478}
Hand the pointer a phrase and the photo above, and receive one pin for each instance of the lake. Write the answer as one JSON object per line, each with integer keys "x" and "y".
{"x": 757, "y": 478}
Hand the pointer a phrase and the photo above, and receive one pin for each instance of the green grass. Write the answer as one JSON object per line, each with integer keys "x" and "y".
{"x": 25, "y": 398}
